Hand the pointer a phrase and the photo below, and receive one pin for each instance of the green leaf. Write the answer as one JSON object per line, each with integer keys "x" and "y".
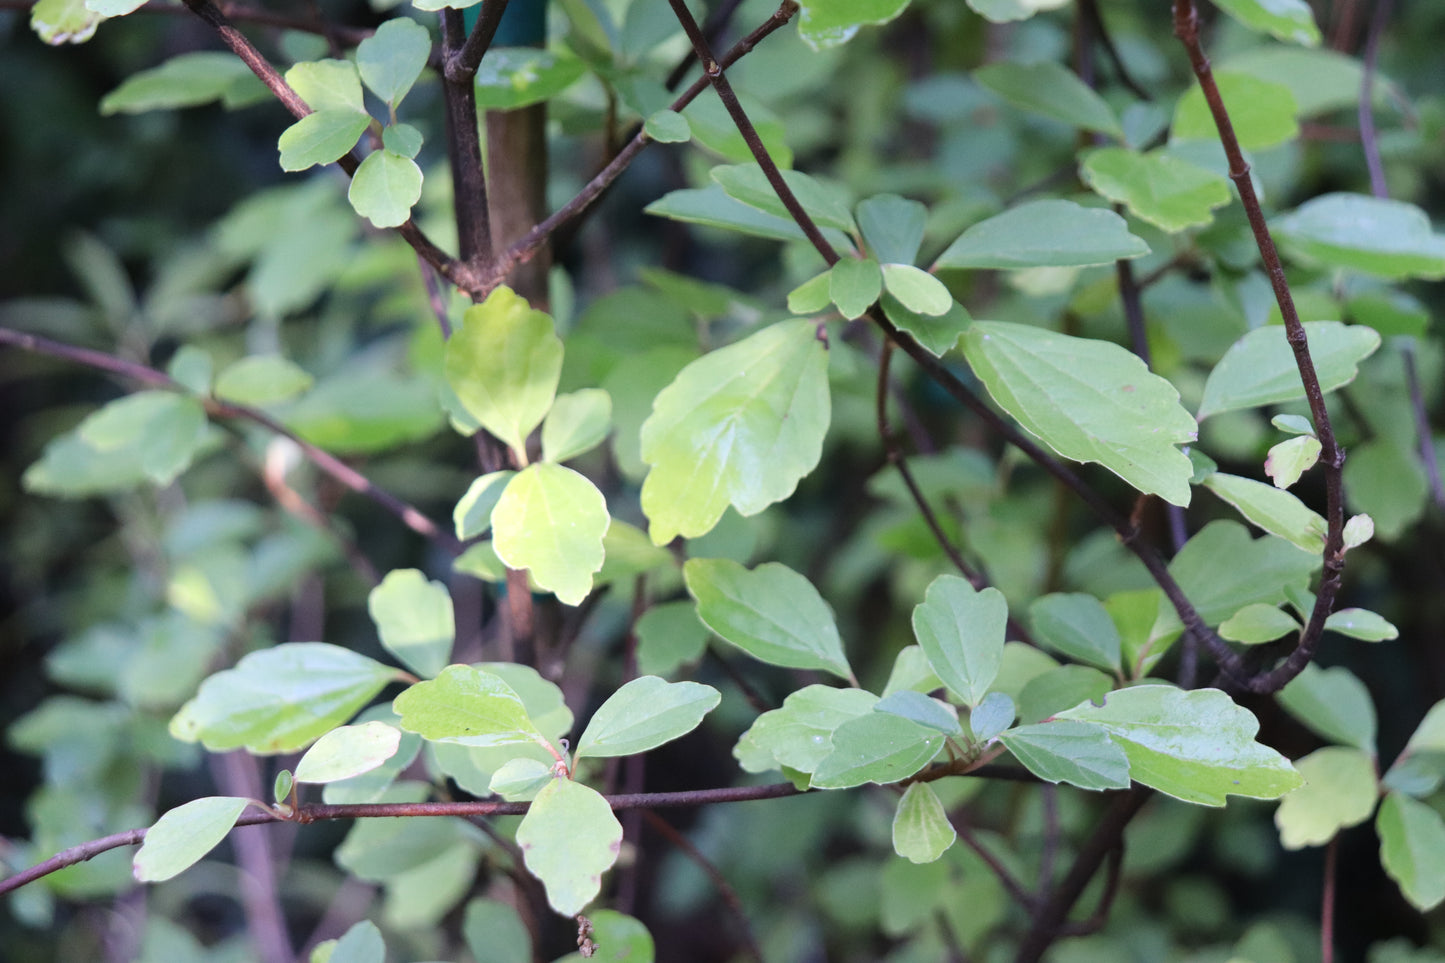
{"x": 961, "y": 630}
{"x": 186, "y": 80}
{"x": 415, "y": 620}
{"x": 280, "y": 699}
{"x": 403, "y": 139}
{"x": 1078, "y": 626}
{"x": 992, "y": 716}
{"x": 1051, "y": 90}
{"x": 1340, "y": 791}
{"x": 827, "y": 204}
{"x": 1332, "y": 703}
{"x": 513, "y": 77}
{"x": 772, "y": 613}
{"x": 1289, "y": 20}
{"x": 1358, "y": 530}
{"x": 922, "y": 709}
{"x": 520, "y": 779}
{"x": 391, "y": 59}
{"x": 1376, "y": 235}
{"x": 916, "y": 290}
{"x": 1361, "y": 624}
{"x": 569, "y": 838}
{"x": 712, "y": 207}
{"x": 1221, "y": 570}
{"x": 738, "y": 426}
{"x": 158, "y": 432}
{"x": 713, "y": 129}
{"x": 921, "y": 830}
{"x": 495, "y": 932}
{"x": 618, "y": 937}
{"x": 1197, "y": 745}
{"x": 892, "y": 227}
{"x": 1261, "y": 111}
{"x": 1005, "y": 11}
{"x": 669, "y": 635}
{"x": 365, "y": 411}
{"x": 1291, "y": 458}
{"x": 1386, "y": 481}
{"x": 644, "y": 714}
{"x": 1276, "y": 511}
{"x": 1157, "y": 187}
{"x": 812, "y": 296}
{"x": 1412, "y": 849}
{"x": 385, "y": 187}
{"x": 1259, "y": 369}
{"x": 362, "y": 943}
{"x": 468, "y": 706}
{"x": 1258, "y": 623}
{"x": 63, "y": 21}
{"x": 668, "y": 127}
{"x": 1090, "y": 401}
{"x": 504, "y": 364}
{"x": 1080, "y": 754}
{"x": 192, "y": 368}
{"x": 1047, "y": 233}
{"x": 1419, "y": 770}
{"x": 473, "y": 514}
{"x": 938, "y": 334}
{"x": 328, "y": 85}
{"x": 799, "y": 735}
{"x": 550, "y": 520}
{"x": 577, "y": 423}
{"x": 261, "y": 380}
{"x": 184, "y": 835}
{"x": 854, "y": 284}
{"x": 1060, "y": 688}
{"x": 828, "y": 23}
{"x": 320, "y": 138}
{"x": 880, "y": 748}
{"x": 348, "y": 751}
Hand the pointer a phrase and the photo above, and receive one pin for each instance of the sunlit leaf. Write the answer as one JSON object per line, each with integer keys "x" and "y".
{"x": 385, "y": 187}
{"x": 551, "y": 520}
{"x": 184, "y": 835}
{"x": 320, "y": 138}
{"x": 921, "y": 830}
{"x": 414, "y": 619}
{"x": 348, "y": 751}
{"x": 1261, "y": 111}
{"x": 569, "y": 838}
{"x": 827, "y": 23}
{"x": 799, "y": 735}
{"x": 261, "y": 380}
{"x": 644, "y": 714}
{"x": 1340, "y": 791}
{"x": 578, "y": 422}
{"x": 473, "y": 513}
{"x": 468, "y": 706}
{"x": 1289, "y": 20}
{"x": 1157, "y": 187}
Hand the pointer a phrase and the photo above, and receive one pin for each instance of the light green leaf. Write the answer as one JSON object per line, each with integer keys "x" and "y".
{"x": 320, "y": 138}
{"x": 1060, "y": 688}
{"x": 644, "y": 714}
{"x": 916, "y": 290}
{"x": 1387, "y": 482}
{"x": 880, "y": 748}
{"x": 1272, "y": 509}
{"x": 520, "y": 779}
{"x": 328, "y": 85}
{"x": 415, "y": 620}
{"x": 542, "y": 699}
{"x": 357, "y": 412}
{"x": 362, "y": 943}
{"x": 1332, "y": 703}
{"x": 385, "y": 187}
{"x": 799, "y": 735}
{"x": 854, "y": 284}
{"x": 1291, "y": 458}
{"x": 1157, "y": 187}
{"x": 403, "y": 139}
{"x": 391, "y": 59}
{"x": 114, "y": 8}
{"x": 828, "y": 23}
{"x": 630, "y": 553}
{"x": 992, "y": 716}
{"x": 827, "y": 204}
{"x": 712, "y": 207}
{"x": 669, "y": 635}
{"x": 738, "y": 426}
{"x": 495, "y": 932}
{"x": 1340, "y": 791}
{"x": 961, "y": 630}
{"x": 184, "y": 835}
{"x": 1078, "y": 626}
{"x": 280, "y": 699}
{"x": 1077, "y": 753}
{"x": 1259, "y": 369}
{"x": 619, "y": 938}
{"x": 668, "y": 127}
{"x": 892, "y": 227}
{"x": 1289, "y": 20}
{"x": 938, "y": 334}
{"x": 1052, "y": 90}
{"x": 1261, "y": 111}
{"x": 468, "y": 706}
{"x": 569, "y": 838}
{"x": 1361, "y": 624}
{"x": 159, "y": 430}
{"x": 550, "y": 520}
{"x": 513, "y": 77}
{"x": 578, "y": 422}
{"x": 186, "y": 80}
{"x": 1089, "y": 401}
{"x": 1006, "y": 11}
{"x": 1258, "y": 623}
{"x": 504, "y": 364}
{"x": 922, "y": 709}
{"x": 262, "y": 380}
{"x": 63, "y": 21}
{"x": 1047, "y": 233}
{"x": 473, "y": 514}
{"x": 348, "y": 751}
{"x": 921, "y": 830}
{"x": 713, "y": 129}
{"x": 1197, "y": 745}
{"x": 813, "y": 296}
{"x": 1358, "y": 530}
{"x": 1412, "y": 849}
{"x": 772, "y": 613}
{"x": 1376, "y": 235}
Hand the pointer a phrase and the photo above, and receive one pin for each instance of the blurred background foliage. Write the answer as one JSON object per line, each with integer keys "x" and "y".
{"x": 145, "y": 234}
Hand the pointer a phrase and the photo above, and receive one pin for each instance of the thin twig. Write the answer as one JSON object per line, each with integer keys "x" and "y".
{"x": 724, "y": 889}
{"x": 712, "y": 28}
{"x": 1332, "y": 457}
{"x": 464, "y": 149}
